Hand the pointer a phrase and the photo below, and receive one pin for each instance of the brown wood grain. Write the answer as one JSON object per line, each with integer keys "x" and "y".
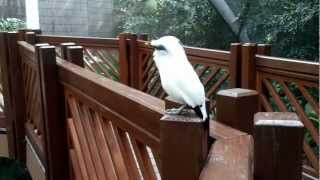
{"x": 230, "y": 159}
{"x": 55, "y": 131}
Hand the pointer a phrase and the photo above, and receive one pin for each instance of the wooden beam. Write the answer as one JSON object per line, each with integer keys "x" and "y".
{"x": 183, "y": 146}
{"x": 56, "y": 145}
{"x": 230, "y": 159}
{"x": 248, "y": 66}
{"x": 236, "y": 108}
{"x": 278, "y": 146}
{"x": 75, "y": 55}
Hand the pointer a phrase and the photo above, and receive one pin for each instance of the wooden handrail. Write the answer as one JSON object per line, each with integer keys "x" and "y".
{"x": 83, "y": 41}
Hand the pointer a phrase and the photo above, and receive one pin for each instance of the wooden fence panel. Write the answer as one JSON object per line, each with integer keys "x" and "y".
{"x": 117, "y": 139}
{"x": 101, "y": 55}
{"x": 292, "y": 86}
{"x": 32, "y": 93}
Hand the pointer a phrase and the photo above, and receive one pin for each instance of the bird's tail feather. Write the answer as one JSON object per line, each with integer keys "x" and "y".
{"x": 204, "y": 111}
{"x": 201, "y": 111}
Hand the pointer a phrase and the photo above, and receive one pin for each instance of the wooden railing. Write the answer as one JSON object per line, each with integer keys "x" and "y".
{"x": 123, "y": 123}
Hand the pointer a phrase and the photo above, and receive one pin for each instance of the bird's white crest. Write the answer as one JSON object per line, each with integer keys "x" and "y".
{"x": 177, "y": 75}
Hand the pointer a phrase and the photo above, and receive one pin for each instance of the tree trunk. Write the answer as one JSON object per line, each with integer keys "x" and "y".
{"x": 230, "y": 18}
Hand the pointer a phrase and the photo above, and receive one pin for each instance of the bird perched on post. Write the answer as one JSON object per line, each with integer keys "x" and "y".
{"x": 178, "y": 78}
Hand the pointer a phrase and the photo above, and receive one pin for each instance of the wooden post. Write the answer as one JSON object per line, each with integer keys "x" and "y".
{"x": 183, "y": 146}
{"x": 56, "y": 146}
{"x": 5, "y": 79}
{"x": 22, "y": 32}
{"x": 124, "y": 59}
{"x": 75, "y": 55}
{"x": 264, "y": 49}
{"x": 143, "y": 37}
{"x": 134, "y": 62}
{"x": 17, "y": 104}
{"x": 30, "y": 37}
{"x": 235, "y": 65}
{"x": 63, "y": 47}
{"x": 278, "y": 139}
{"x": 236, "y": 108}
{"x": 248, "y": 69}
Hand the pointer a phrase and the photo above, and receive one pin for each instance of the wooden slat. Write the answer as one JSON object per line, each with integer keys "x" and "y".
{"x": 304, "y": 118}
{"x": 89, "y": 133}
{"x": 143, "y": 159}
{"x": 78, "y": 149}
{"x": 103, "y": 147}
{"x": 128, "y": 154}
{"x": 275, "y": 96}
{"x": 217, "y": 85}
{"x": 75, "y": 164}
{"x": 145, "y": 111}
{"x": 74, "y": 108}
{"x": 114, "y": 146}
{"x": 309, "y": 98}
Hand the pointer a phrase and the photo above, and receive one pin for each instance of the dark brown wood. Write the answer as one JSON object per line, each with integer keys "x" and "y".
{"x": 116, "y": 98}
{"x": 236, "y": 108}
{"x": 63, "y": 47}
{"x": 5, "y": 80}
{"x": 82, "y": 41}
{"x": 143, "y": 37}
{"x": 278, "y": 146}
{"x": 30, "y": 37}
{"x": 177, "y": 133}
{"x": 17, "y": 95}
{"x": 235, "y": 65}
{"x": 22, "y": 32}
{"x": 56, "y": 145}
{"x": 124, "y": 59}
{"x": 287, "y": 65}
{"x": 134, "y": 62}
{"x": 75, "y": 55}
{"x": 248, "y": 70}
{"x": 221, "y": 131}
{"x": 230, "y": 159}
{"x": 264, "y": 49}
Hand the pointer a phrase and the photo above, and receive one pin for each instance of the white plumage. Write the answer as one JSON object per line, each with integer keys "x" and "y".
{"x": 178, "y": 77}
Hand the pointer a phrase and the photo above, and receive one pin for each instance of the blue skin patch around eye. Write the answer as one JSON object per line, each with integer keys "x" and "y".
{"x": 161, "y": 47}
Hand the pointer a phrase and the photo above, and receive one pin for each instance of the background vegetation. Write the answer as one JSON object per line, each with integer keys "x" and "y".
{"x": 11, "y": 24}
{"x": 291, "y": 26}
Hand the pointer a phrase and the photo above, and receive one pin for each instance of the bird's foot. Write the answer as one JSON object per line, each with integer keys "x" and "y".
{"x": 176, "y": 111}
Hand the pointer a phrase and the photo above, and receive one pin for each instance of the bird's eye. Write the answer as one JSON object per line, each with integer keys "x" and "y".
{"x": 161, "y": 47}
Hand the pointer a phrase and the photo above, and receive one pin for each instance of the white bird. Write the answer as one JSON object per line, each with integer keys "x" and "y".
{"x": 178, "y": 78}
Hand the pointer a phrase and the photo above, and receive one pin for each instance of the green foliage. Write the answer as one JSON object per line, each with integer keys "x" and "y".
{"x": 291, "y": 26}
{"x": 195, "y": 22}
{"x": 11, "y": 24}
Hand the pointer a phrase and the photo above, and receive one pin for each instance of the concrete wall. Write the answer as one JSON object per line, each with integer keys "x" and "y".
{"x": 12, "y": 9}
{"x": 76, "y": 17}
